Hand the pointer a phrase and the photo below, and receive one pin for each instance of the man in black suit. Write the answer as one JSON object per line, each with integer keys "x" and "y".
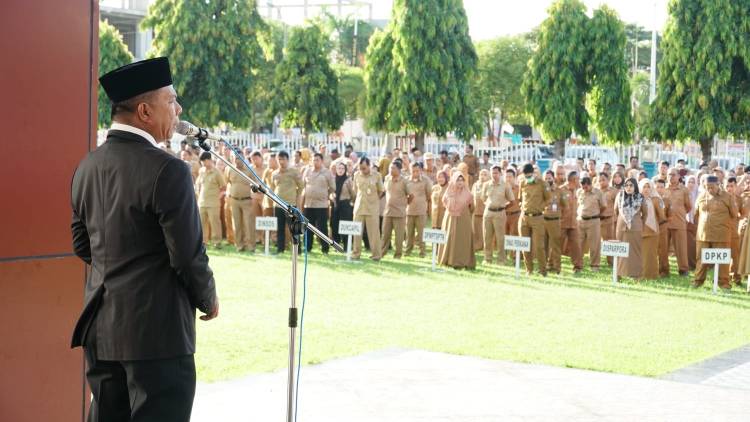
{"x": 136, "y": 223}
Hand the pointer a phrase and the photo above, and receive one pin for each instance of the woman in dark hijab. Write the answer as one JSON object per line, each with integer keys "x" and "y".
{"x": 630, "y": 217}
{"x": 342, "y": 200}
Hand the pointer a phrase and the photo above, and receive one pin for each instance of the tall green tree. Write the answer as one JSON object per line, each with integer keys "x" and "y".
{"x": 704, "y": 77}
{"x": 639, "y": 86}
{"x": 502, "y": 64}
{"x": 610, "y": 99}
{"x": 113, "y": 53}
{"x": 432, "y": 65}
{"x": 305, "y": 85}
{"x": 214, "y": 54}
{"x": 271, "y": 39}
{"x": 557, "y": 79}
{"x": 348, "y": 48}
{"x": 351, "y": 90}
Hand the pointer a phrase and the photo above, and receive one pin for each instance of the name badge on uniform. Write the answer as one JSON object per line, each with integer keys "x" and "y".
{"x": 554, "y": 207}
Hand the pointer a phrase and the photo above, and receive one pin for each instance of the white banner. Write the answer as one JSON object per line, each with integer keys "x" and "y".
{"x": 615, "y": 248}
{"x": 266, "y": 223}
{"x": 716, "y": 256}
{"x": 353, "y": 228}
{"x": 434, "y": 236}
{"x": 518, "y": 243}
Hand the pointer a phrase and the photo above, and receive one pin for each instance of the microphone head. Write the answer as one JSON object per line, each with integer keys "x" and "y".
{"x": 186, "y": 128}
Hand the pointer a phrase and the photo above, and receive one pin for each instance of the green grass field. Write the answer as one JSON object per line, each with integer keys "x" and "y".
{"x": 581, "y": 321}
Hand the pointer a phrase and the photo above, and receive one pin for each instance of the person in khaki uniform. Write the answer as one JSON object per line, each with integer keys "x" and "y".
{"x": 551, "y": 215}
{"x": 679, "y": 206}
{"x": 396, "y": 199}
{"x": 605, "y": 217}
{"x": 273, "y": 165}
{"x": 496, "y": 195}
{"x": 472, "y": 162}
{"x": 437, "y": 210}
{"x": 734, "y": 222}
{"x": 590, "y": 205}
{"x": 239, "y": 200}
{"x": 419, "y": 188}
{"x": 429, "y": 170}
{"x": 743, "y": 268}
{"x": 534, "y": 198}
{"x": 319, "y": 185}
{"x": 287, "y": 183}
{"x": 663, "y": 242}
{"x": 368, "y": 188}
{"x": 513, "y": 210}
{"x": 256, "y": 161}
{"x": 477, "y": 223}
{"x": 209, "y": 185}
{"x": 569, "y": 233}
{"x": 714, "y": 210}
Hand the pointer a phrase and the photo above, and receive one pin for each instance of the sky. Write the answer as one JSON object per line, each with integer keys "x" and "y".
{"x": 492, "y": 18}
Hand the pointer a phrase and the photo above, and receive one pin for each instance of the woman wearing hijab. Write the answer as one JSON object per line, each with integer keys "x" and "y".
{"x": 458, "y": 200}
{"x": 653, "y": 207}
{"x": 437, "y": 211}
{"x": 692, "y": 186}
{"x": 744, "y": 229}
{"x": 617, "y": 180}
{"x": 478, "y": 220}
{"x": 342, "y": 200}
{"x": 630, "y": 219}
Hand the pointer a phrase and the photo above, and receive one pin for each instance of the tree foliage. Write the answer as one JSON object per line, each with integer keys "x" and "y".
{"x": 214, "y": 53}
{"x": 704, "y": 77}
{"x": 639, "y": 86}
{"x": 305, "y": 86}
{"x": 502, "y": 64}
{"x": 351, "y": 90}
{"x": 610, "y": 92}
{"x": 271, "y": 38}
{"x": 419, "y": 70}
{"x": 557, "y": 79}
{"x": 113, "y": 53}
{"x": 343, "y": 40}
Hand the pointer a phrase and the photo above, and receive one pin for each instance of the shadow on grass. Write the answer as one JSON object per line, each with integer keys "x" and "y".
{"x": 674, "y": 286}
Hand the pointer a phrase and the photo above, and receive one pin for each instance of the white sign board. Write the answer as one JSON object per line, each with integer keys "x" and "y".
{"x": 266, "y": 223}
{"x": 351, "y": 228}
{"x": 434, "y": 236}
{"x": 716, "y": 256}
{"x": 518, "y": 243}
{"x": 613, "y": 248}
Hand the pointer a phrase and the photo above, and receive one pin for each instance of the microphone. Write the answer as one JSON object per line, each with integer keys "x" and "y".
{"x": 189, "y": 129}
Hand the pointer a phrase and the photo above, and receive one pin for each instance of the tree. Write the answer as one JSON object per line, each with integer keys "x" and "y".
{"x": 610, "y": 105}
{"x": 215, "y": 54}
{"x": 342, "y": 35}
{"x": 271, "y": 39}
{"x": 704, "y": 76}
{"x": 639, "y": 86}
{"x": 557, "y": 79}
{"x": 113, "y": 53}
{"x": 639, "y": 38}
{"x": 306, "y": 88}
{"x": 351, "y": 90}
{"x": 502, "y": 64}
{"x": 432, "y": 64}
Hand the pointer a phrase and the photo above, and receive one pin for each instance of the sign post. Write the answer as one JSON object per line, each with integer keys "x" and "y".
{"x": 350, "y": 228}
{"x": 436, "y": 237}
{"x": 267, "y": 224}
{"x": 716, "y": 257}
{"x": 518, "y": 244}
{"x": 615, "y": 249}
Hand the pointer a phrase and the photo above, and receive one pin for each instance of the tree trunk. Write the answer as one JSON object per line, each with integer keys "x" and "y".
{"x": 560, "y": 149}
{"x": 490, "y": 129}
{"x": 419, "y": 141}
{"x": 706, "y": 146}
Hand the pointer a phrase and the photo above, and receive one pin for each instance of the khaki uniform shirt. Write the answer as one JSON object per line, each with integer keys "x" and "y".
{"x": 259, "y": 196}
{"x": 367, "y": 190}
{"x": 557, "y": 201}
{"x": 437, "y": 202}
{"x": 396, "y": 195}
{"x": 590, "y": 203}
{"x": 679, "y": 205}
{"x": 267, "y": 175}
{"x": 516, "y": 204}
{"x": 430, "y": 174}
{"x": 472, "y": 161}
{"x": 744, "y": 211}
{"x": 610, "y": 194}
{"x": 496, "y": 195}
{"x": 209, "y": 185}
{"x": 238, "y": 188}
{"x": 318, "y": 187}
{"x": 420, "y": 190}
{"x": 534, "y": 196}
{"x": 569, "y": 209}
{"x": 714, "y": 214}
{"x": 287, "y": 184}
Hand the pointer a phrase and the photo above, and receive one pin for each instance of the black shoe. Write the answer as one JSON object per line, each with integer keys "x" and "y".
{"x": 683, "y": 273}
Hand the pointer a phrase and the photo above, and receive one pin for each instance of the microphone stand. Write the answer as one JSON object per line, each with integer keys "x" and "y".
{"x": 298, "y": 223}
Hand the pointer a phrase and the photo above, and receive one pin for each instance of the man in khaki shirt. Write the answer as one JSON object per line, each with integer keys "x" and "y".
{"x": 496, "y": 195}
{"x": 429, "y": 170}
{"x": 551, "y": 217}
{"x": 419, "y": 188}
{"x": 286, "y": 182}
{"x": 534, "y": 197}
{"x": 394, "y": 217}
{"x": 240, "y": 202}
{"x": 472, "y": 162}
{"x": 209, "y": 185}
{"x": 679, "y": 206}
{"x": 714, "y": 211}
{"x": 319, "y": 185}
{"x": 570, "y": 237}
{"x": 512, "y": 210}
{"x": 605, "y": 217}
{"x": 368, "y": 188}
{"x": 590, "y": 205}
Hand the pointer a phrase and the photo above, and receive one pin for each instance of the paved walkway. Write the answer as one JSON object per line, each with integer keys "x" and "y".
{"x": 415, "y": 386}
{"x": 730, "y": 369}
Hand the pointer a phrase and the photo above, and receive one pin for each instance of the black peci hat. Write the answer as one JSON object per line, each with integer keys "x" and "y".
{"x": 136, "y": 78}
{"x": 712, "y": 179}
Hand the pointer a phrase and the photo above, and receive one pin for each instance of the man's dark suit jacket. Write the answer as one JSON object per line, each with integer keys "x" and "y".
{"x": 136, "y": 222}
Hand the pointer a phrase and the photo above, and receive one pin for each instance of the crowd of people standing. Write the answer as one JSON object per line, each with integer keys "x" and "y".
{"x": 566, "y": 211}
